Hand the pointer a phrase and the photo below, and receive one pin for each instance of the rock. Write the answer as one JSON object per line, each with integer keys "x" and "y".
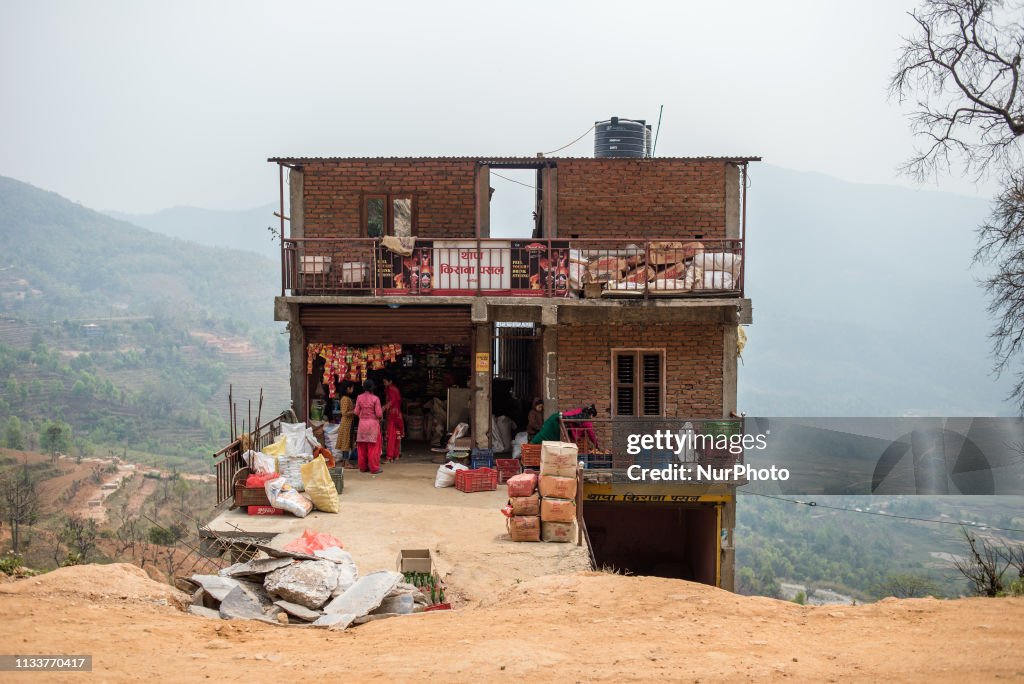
{"x": 256, "y": 590}
{"x": 300, "y": 612}
{"x": 374, "y": 616}
{"x": 239, "y": 605}
{"x": 217, "y": 587}
{"x": 255, "y": 568}
{"x": 333, "y": 553}
{"x": 198, "y": 597}
{"x": 186, "y": 585}
{"x": 282, "y": 617}
{"x": 347, "y": 576}
{"x": 335, "y": 621}
{"x": 308, "y": 583}
{"x": 403, "y": 604}
{"x": 199, "y": 611}
{"x": 280, "y": 553}
{"x": 366, "y": 594}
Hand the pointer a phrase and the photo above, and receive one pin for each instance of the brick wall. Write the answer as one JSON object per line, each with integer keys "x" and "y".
{"x": 637, "y": 198}
{"x": 693, "y": 364}
{"x": 333, "y": 192}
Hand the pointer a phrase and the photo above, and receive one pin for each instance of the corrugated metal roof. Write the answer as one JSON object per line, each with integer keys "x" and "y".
{"x": 505, "y": 160}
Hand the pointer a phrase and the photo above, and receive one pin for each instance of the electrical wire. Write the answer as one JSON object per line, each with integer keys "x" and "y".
{"x": 815, "y": 504}
{"x": 572, "y": 143}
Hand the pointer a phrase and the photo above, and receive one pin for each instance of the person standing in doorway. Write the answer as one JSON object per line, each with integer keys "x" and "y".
{"x": 393, "y": 419}
{"x": 347, "y": 406}
{"x": 368, "y": 410}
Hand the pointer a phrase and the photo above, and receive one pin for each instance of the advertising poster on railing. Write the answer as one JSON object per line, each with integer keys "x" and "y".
{"x": 406, "y": 274}
{"x": 464, "y": 266}
{"x": 538, "y": 270}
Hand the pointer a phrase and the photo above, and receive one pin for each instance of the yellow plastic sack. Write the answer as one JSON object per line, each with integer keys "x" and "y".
{"x": 319, "y": 486}
{"x": 277, "y": 448}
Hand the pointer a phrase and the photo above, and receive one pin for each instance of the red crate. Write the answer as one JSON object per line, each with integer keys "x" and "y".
{"x": 531, "y": 455}
{"x": 507, "y": 467}
{"x": 479, "y": 480}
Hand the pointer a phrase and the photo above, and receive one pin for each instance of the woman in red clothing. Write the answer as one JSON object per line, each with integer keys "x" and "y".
{"x": 368, "y": 442}
{"x": 395, "y": 424}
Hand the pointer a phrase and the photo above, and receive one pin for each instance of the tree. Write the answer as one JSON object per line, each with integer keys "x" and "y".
{"x": 79, "y": 535}
{"x": 55, "y": 437}
{"x": 984, "y": 567}
{"x": 903, "y": 585}
{"x": 14, "y": 437}
{"x": 19, "y": 501}
{"x": 962, "y": 69}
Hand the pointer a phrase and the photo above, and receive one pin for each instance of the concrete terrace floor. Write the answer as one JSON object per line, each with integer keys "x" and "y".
{"x": 401, "y": 509}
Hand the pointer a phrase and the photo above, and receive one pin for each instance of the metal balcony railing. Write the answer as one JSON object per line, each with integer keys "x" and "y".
{"x": 542, "y": 268}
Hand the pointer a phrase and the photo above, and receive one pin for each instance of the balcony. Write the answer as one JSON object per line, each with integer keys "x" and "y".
{"x": 592, "y": 268}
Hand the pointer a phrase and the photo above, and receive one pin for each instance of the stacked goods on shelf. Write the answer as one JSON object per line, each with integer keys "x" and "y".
{"x": 558, "y": 491}
{"x": 524, "y": 525}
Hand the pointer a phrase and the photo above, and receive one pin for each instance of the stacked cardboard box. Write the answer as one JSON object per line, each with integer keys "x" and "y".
{"x": 524, "y": 525}
{"x": 558, "y": 491}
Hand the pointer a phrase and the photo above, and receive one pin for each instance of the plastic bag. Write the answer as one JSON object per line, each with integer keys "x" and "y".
{"x": 282, "y": 495}
{"x": 261, "y": 463}
{"x": 310, "y": 541}
{"x": 319, "y": 486}
{"x": 517, "y": 444}
{"x": 260, "y": 479}
{"x": 290, "y": 468}
{"x": 277, "y": 448}
{"x": 446, "y": 474}
{"x": 298, "y": 439}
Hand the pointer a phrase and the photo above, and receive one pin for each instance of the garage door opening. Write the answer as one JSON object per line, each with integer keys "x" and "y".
{"x": 663, "y": 541}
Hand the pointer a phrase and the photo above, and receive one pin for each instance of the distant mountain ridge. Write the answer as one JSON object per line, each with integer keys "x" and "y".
{"x": 245, "y": 229}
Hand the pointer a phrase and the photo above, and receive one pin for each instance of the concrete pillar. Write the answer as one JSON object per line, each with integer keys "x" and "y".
{"x": 483, "y": 201}
{"x": 549, "y": 343}
{"x": 728, "y": 545}
{"x": 481, "y": 425}
{"x": 297, "y": 361}
{"x": 296, "y": 206}
{"x": 732, "y": 201}
{"x": 729, "y": 374}
{"x": 549, "y": 202}
{"x": 480, "y": 408}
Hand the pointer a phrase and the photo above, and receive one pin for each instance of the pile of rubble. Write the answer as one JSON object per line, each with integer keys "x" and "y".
{"x": 322, "y": 589}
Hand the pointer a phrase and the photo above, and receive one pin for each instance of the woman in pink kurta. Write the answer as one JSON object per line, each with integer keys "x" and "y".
{"x": 395, "y": 424}
{"x": 368, "y": 441}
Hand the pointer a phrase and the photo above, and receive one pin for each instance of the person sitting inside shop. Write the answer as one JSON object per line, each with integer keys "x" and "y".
{"x": 535, "y": 419}
{"x": 368, "y": 438}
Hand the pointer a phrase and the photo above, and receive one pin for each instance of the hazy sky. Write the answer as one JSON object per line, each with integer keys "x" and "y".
{"x": 139, "y": 106}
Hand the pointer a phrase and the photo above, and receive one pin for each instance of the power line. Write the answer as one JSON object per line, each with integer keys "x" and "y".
{"x": 815, "y": 504}
{"x": 572, "y": 143}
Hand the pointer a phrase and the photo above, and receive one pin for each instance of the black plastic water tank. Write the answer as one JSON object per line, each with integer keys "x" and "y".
{"x": 622, "y": 138}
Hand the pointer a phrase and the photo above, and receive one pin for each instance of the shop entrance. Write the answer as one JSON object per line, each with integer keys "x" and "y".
{"x": 424, "y": 350}
{"x": 664, "y": 541}
{"x": 517, "y": 374}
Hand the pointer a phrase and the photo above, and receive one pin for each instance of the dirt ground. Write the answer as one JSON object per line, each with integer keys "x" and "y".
{"x": 578, "y": 627}
{"x": 402, "y": 509}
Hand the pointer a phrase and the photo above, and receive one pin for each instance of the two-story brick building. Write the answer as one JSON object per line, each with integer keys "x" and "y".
{"x": 628, "y": 295}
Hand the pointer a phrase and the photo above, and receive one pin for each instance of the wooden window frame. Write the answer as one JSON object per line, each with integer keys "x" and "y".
{"x": 389, "y": 211}
{"x": 638, "y": 353}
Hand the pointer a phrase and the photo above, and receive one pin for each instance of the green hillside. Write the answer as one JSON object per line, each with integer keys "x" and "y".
{"x": 128, "y": 336}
